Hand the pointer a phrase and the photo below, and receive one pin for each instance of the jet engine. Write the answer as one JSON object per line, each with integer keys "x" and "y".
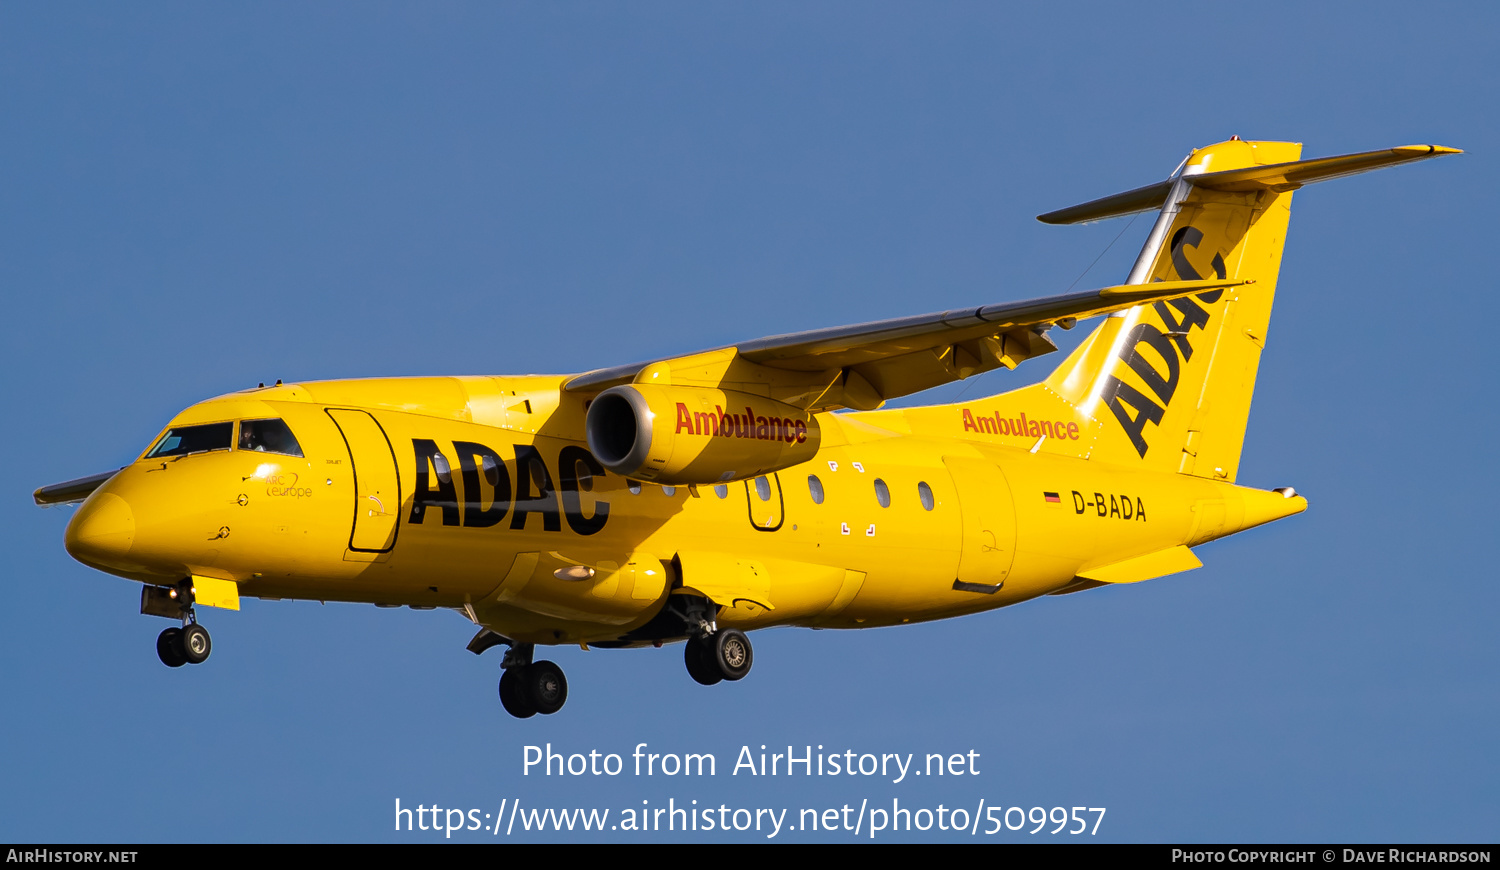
{"x": 687, "y": 435}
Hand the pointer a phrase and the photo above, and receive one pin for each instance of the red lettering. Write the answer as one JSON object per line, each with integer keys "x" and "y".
{"x": 801, "y": 432}
{"x": 1073, "y": 431}
{"x": 969, "y": 425}
{"x": 684, "y": 420}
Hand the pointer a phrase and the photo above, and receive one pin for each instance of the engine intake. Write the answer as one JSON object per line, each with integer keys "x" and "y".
{"x": 686, "y": 435}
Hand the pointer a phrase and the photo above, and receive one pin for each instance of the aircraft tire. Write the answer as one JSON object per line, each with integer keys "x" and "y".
{"x": 732, "y": 653}
{"x": 169, "y": 648}
{"x": 545, "y": 686}
{"x": 700, "y": 665}
{"x": 512, "y": 698}
{"x": 196, "y": 644}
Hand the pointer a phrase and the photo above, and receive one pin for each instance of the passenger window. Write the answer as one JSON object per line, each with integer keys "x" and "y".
{"x": 268, "y": 436}
{"x": 924, "y": 492}
{"x": 669, "y": 491}
{"x": 882, "y": 493}
{"x": 763, "y": 488}
{"x": 815, "y": 488}
{"x": 721, "y": 491}
{"x": 634, "y": 486}
{"x": 183, "y": 440}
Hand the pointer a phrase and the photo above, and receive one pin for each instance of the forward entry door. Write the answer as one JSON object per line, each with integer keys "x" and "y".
{"x": 377, "y": 486}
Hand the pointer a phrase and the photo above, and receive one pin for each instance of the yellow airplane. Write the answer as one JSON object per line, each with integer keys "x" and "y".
{"x": 698, "y": 497}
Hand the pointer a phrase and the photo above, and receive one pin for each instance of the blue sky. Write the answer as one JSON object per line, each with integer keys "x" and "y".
{"x": 198, "y": 197}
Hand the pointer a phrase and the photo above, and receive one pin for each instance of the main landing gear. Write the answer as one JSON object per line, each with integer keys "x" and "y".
{"x": 723, "y": 655}
{"x": 528, "y": 688}
{"x": 188, "y": 645}
{"x": 715, "y": 654}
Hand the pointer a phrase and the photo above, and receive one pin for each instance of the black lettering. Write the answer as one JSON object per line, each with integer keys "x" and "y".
{"x": 1190, "y": 237}
{"x": 1192, "y": 315}
{"x": 1125, "y": 512}
{"x": 569, "y": 462}
{"x": 1140, "y": 510}
{"x": 1118, "y": 394}
{"x": 531, "y": 472}
{"x": 492, "y": 468}
{"x": 1163, "y": 386}
{"x": 1099, "y": 504}
{"x": 445, "y": 496}
{"x": 1114, "y": 507}
{"x": 1078, "y": 503}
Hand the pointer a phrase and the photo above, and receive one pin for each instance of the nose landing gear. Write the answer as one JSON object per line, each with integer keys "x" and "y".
{"x": 188, "y": 645}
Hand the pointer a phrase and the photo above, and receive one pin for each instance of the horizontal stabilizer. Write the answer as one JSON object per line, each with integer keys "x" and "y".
{"x": 1277, "y": 177}
{"x": 1148, "y": 567}
{"x": 1148, "y": 198}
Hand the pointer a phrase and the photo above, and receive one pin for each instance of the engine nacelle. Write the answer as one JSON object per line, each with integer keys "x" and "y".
{"x": 683, "y": 435}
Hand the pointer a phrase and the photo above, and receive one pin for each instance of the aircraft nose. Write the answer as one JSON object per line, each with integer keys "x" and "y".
{"x": 102, "y": 531}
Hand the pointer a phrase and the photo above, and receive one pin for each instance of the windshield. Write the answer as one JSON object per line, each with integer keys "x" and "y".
{"x": 181, "y": 440}
{"x": 268, "y": 436}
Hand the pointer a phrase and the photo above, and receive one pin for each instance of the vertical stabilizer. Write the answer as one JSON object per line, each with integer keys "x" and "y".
{"x": 1167, "y": 386}
{"x": 1171, "y": 382}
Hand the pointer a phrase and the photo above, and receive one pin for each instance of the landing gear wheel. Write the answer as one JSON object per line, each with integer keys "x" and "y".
{"x": 700, "y": 664}
{"x": 545, "y": 686}
{"x": 512, "y": 697}
{"x": 169, "y": 648}
{"x": 732, "y": 653}
{"x": 195, "y": 644}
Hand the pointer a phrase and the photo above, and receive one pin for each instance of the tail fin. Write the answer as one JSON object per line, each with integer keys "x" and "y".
{"x": 1168, "y": 385}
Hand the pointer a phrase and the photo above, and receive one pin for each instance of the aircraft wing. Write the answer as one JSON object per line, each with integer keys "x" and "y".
{"x": 71, "y": 491}
{"x": 863, "y": 365}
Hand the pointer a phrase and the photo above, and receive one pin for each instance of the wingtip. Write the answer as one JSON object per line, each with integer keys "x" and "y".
{"x": 1427, "y": 150}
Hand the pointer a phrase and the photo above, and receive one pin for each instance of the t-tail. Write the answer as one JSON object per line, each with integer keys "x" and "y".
{"x": 1167, "y": 386}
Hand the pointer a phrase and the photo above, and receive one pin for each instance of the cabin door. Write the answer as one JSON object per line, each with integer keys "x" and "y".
{"x": 377, "y": 486}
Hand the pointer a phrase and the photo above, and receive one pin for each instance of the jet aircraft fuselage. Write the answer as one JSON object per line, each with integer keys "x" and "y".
{"x": 694, "y": 498}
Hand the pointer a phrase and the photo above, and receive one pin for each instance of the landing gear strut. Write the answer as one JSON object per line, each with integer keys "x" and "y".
{"x": 528, "y": 688}
{"x": 190, "y": 644}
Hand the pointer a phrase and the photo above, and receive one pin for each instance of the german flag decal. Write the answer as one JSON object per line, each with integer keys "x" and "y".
{"x": 1052, "y": 498}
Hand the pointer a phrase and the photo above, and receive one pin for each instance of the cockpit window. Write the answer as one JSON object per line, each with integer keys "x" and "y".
{"x": 182, "y": 440}
{"x": 268, "y": 436}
